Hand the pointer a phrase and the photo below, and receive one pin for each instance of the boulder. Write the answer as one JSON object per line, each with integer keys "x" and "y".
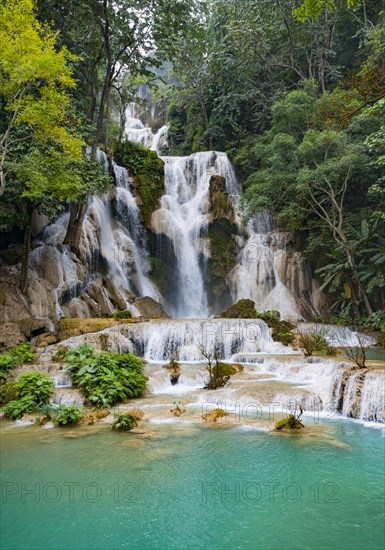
{"x": 150, "y": 308}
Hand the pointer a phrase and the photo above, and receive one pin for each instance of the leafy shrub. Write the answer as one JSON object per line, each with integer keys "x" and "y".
{"x": 17, "y": 408}
{"x": 375, "y": 321}
{"x": 125, "y": 422}
{"x": 281, "y": 330}
{"x": 60, "y": 354}
{"x": 36, "y": 385}
{"x": 381, "y": 338}
{"x": 291, "y": 422}
{"x": 313, "y": 341}
{"x": 106, "y": 378}
{"x": 8, "y": 392}
{"x": 122, "y": 315}
{"x": 23, "y": 353}
{"x": 32, "y": 390}
{"x": 66, "y": 415}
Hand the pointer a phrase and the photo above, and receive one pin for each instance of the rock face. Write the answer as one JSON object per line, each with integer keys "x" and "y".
{"x": 150, "y": 308}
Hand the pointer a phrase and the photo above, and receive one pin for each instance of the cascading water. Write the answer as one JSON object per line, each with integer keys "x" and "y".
{"x": 183, "y": 216}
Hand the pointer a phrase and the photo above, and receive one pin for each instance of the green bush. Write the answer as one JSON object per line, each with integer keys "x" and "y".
{"x": 375, "y": 321}
{"x": 243, "y": 309}
{"x": 124, "y": 422}
{"x": 290, "y": 423}
{"x": 17, "y": 408}
{"x": 148, "y": 169}
{"x": 106, "y": 378}
{"x": 23, "y": 353}
{"x": 31, "y": 390}
{"x": 122, "y": 315}
{"x": 36, "y": 385}
{"x": 313, "y": 341}
{"x": 67, "y": 415}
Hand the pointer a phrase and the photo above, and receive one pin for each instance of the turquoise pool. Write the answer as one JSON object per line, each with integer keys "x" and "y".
{"x": 193, "y": 487}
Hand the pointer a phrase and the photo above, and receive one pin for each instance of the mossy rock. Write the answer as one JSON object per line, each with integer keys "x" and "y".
{"x": 289, "y": 423}
{"x": 91, "y": 417}
{"x": 70, "y": 327}
{"x": 243, "y": 309}
{"x": 215, "y": 415}
{"x": 220, "y": 204}
{"x": 148, "y": 170}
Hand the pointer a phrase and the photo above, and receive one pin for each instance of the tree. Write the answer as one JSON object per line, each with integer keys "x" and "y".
{"x": 35, "y": 83}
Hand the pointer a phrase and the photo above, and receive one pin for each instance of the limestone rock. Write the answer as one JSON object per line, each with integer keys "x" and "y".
{"x": 150, "y": 308}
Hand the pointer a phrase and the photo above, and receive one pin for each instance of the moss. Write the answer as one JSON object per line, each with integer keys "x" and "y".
{"x": 148, "y": 170}
{"x": 244, "y": 309}
{"x": 122, "y": 315}
{"x": 71, "y": 327}
{"x": 221, "y": 206}
{"x": 289, "y": 423}
{"x": 223, "y": 247}
{"x": 214, "y": 415}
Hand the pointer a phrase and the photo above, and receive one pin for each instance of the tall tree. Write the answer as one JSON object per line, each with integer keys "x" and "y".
{"x": 35, "y": 81}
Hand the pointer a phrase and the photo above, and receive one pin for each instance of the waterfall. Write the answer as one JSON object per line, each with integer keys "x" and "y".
{"x": 268, "y": 273}
{"x": 183, "y": 217}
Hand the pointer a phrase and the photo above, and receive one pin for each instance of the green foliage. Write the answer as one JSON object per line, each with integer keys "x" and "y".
{"x": 36, "y": 78}
{"x": 32, "y": 390}
{"x": 148, "y": 169}
{"x": 122, "y": 315}
{"x": 106, "y": 378}
{"x": 219, "y": 374}
{"x": 36, "y": 385}
{"x": 313, "y": 341}
{"x": 23, "y": 353}
{"x": 124, "y": 422}
{"x": 243, "y": 309}
{"x": 291, "y": 422}
{"x": 67, "y": 415}
{"x": 375, "y": 321}
{"x": 381, "y": 338}
{"x": 314, "y": 8}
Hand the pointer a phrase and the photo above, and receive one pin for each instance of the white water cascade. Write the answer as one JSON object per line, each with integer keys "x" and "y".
{"x": 183, "y": 217}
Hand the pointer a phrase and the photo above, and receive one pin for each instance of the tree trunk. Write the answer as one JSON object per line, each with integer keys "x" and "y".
{"x": 102, "y": 107}
{"x": 360, "y": 288}
{"x": 27, "y": 250}
{"x": 75, "y": 223}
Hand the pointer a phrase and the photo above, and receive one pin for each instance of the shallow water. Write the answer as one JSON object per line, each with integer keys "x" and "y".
{"x": 193, "y": 486}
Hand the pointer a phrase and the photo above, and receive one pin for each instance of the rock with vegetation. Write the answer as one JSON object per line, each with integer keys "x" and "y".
{"x": 106, "y": 378}
{"x": 312, "y": 341}
{"x": 150, "y": 308}
{"x": 222, "y": 233}
{"x": 67, "y": 415}
{"x": 91, "y": 417}
{"x": 290, "y": 423}
{"x": 147, "y": 169}
{"x": 219, "y": 373}
{"x": 174, "y": 369}
{"x": 215, "y": 415}
{"x": 243, "y": 309}
{"x": 70, "y": 327}
{"x": 127, "y": 421}
{"x": 178, "y": 410}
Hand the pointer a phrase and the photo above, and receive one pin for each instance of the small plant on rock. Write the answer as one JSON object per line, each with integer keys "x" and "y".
{"x": 124, "y": 422}
{"x": 68, "y": 415}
